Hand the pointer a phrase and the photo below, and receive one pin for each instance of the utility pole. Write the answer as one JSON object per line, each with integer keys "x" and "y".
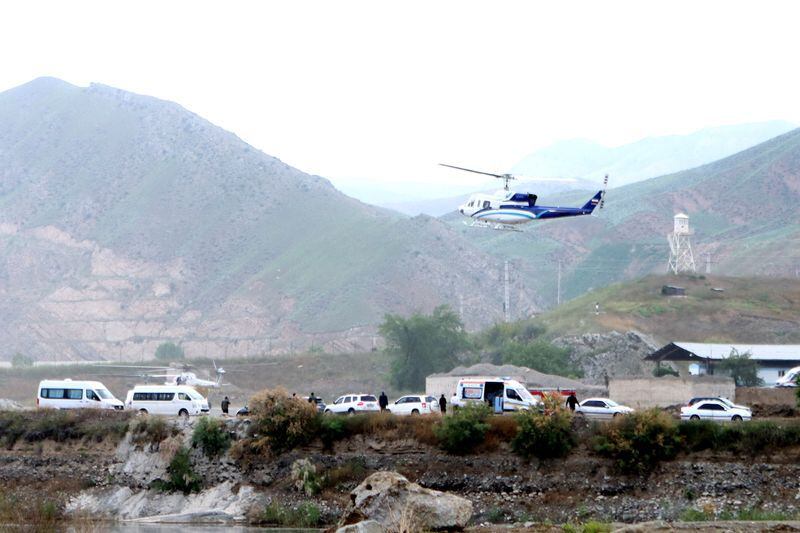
{"x": 558, "y": 285}
{"x": 506, "y": 297}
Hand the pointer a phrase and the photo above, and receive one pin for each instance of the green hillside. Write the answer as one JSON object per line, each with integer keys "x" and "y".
{"x": 747, "y": 310}
{"x": 744, "y": 211}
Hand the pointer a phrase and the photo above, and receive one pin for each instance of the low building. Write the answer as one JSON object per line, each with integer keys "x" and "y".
{"x": 698, "y": 358}
{"x": 668, "y": 391}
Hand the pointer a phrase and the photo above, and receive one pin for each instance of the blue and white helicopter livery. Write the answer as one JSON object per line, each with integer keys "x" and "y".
{"x": 506, "y": 209}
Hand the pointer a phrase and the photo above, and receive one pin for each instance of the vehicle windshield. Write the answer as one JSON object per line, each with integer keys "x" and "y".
{"x": 525, "y": 395}
{"x": 611, "y": 403}
{"x": 726, "y": 401}
{"x": 104, "y": 394}
{"x": 194, "y": 395}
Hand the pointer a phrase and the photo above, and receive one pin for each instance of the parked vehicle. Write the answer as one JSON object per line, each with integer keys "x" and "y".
{"x": 715, "y": 410}
{"x": 319, "y": 403}
{"x": 69, "y": 394}
{"x": 789, "y": 379}
{"x": 353, "y": 403}
{"x": 515, "y": 397}
{"x": 601, "y": 408}
{"x": 717, "y": 398}
{"x": 414, "y": 405}
{"x": 170, "y": 400}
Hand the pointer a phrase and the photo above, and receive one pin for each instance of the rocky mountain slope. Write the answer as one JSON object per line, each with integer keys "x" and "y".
{"x": 126, "y": 221}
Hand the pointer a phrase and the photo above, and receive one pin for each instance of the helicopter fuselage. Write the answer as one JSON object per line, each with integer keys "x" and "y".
{"x": 512, "y": 208}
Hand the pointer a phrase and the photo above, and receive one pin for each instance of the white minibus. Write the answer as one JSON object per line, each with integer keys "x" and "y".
{"x": 77, "y": 394}
{"x": 171, "y": 400}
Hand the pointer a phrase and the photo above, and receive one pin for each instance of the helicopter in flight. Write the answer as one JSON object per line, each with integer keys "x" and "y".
{"x": 506, "y": 209}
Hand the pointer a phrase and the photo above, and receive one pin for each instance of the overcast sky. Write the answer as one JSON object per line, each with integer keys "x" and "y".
{"x": 383, "y": 91}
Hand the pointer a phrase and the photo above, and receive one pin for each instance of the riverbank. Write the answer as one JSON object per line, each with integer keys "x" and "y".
{"x": 100, "y": 472}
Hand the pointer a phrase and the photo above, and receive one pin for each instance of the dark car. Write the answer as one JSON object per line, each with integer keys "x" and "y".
{"x": 320, "y": 404}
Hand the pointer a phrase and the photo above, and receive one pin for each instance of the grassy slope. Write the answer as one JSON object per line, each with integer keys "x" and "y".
{"x": 750, "y": 310}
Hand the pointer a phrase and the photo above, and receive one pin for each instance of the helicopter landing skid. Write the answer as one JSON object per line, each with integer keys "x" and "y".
{"x": 492, "y": 225}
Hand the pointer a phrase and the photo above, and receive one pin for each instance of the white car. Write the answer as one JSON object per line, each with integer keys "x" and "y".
{"x": 353, "y": 403}
{"x": 789, "y": 379}
{"x": 414, "y": 405}
{"x": 601, "y": 408}
{"x": 715, "y": 410}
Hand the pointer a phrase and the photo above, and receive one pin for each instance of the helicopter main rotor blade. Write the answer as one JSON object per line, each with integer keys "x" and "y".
{"x": 501, "y": 176}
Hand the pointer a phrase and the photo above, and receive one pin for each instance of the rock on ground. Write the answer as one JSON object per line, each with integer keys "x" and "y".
{"x": 399, "y": 505}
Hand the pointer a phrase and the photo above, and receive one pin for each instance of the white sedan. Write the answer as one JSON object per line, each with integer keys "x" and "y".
{"x": 353, "y": 403}
{"x": 601, "y": 408}
{"x": 414, "y": 405}
{"x": 715, "y": 410}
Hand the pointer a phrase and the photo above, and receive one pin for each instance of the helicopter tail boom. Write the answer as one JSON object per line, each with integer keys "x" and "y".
{"x": 594, "y": 202}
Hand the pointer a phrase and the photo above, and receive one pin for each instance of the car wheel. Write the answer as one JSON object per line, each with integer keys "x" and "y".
{"x": 616, "y": 415}
{"x": 327, "y": 412}
{"x": 142, "y": 411}
{"x": 184, "y": 413}
{"x": 694, "y": 417}
{"x": 351, "y": 411}
{"x": 736, "y": 418}
{"x": 415, "y": 412}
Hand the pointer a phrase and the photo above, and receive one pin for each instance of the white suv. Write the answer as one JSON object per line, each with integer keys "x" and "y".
{"x": 353, "y": 403}
{"x": 414, "y": 405}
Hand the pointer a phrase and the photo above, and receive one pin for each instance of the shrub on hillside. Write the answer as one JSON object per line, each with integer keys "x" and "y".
{"x": 464, "y": 430}
{"x": 281, "y": 422}
{"x": 151, "y": 430}
{"x": 544, "y": 436}
{"x": 638, "y": 442}
{"x": 61, "y": 425}
{"x": 211, "y": 435}
{"x": 181, "y": 475}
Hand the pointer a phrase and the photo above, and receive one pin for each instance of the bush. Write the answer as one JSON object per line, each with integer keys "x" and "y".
{"x": 544, "y": 436}
{"x": 331, "y": 429}
{"x": 212, "y": 436}
{"x": 282, "y": 422}
{"x": 182, "y": 476}
{"x": 21, "y": 361}
{"x": 304, "y": 515}
{"x": 151, "y": 430}
{"x": 60, "y": 426}
{"x": 638, "y": 442}
{"x": 169, "y": 351}
{"x": 305, "y": 478}
{"x": 661, "y": 371}
{"x": 751, "y": 438}
{"x": 464, "y": 430}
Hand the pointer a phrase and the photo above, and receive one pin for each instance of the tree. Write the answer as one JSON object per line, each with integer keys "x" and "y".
{"x": 421, "y": 345}
{"x": 539, "y": 355}
{"x": 742, "y": 369}
{"x": 21, "y": 361}
{"x": 169, "y": 351}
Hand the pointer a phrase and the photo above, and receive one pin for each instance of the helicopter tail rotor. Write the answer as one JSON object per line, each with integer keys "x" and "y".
{"x": 603, "y": 196}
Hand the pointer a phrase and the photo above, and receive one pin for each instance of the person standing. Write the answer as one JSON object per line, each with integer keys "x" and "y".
{"x": 312, "y": 399}
{"x": 443, "y": 405}
{"x": 572, "y": 401}
{"x": 383, "y": 401}
{"x": 225, "y": 404}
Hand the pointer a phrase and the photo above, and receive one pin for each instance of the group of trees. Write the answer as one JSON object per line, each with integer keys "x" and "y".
{"x": 421, "y": 345}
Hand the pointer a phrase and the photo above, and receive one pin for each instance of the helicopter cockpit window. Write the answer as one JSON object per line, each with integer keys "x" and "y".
{"x": 486, "y": 203}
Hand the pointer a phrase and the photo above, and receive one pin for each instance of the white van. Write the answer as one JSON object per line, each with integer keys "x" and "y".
{"x": 69, "y": 394}
{"x": 169, "y": 400}
{"x": 514, "y": 394}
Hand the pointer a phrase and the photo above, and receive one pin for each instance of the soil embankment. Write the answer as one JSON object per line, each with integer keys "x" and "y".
{"x": 123, "y": 478}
